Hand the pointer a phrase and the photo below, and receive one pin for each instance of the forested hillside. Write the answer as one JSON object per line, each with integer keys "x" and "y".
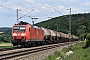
{"x": 4, "y": 29}
{"x": 6, "y": 35}
{"x": 80, "y": 24}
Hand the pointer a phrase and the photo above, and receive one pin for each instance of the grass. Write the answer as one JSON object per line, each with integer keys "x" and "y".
{"x": 57, "y": 54}
{"x": 80, "y": 53}
{"x": 5, "y": 45}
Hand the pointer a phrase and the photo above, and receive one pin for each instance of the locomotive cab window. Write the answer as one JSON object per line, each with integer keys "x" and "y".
{"x": 19, "y": 28}
{"x": 23, "y": 28}
{"x": 16, "y": 28}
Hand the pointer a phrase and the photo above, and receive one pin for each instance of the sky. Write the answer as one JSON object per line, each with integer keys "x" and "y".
{"x": 41, "y": 9}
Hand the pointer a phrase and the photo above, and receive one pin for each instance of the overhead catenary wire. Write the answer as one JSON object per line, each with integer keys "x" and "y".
{"x": 26, "y": 14}
{"x": 18, "y": 5}
{"x": 51, "y": 8}
{"x": 45, "y": 5}
{"x": 32, "y": 6}
{"x": 15, "y": 5}
{"x": 35, "y": 7}
{"x": 16, "y": 11}
{"x": 20, "y": 10}
{"x": 57, "y": 11}
{"x": 7, "y": 8}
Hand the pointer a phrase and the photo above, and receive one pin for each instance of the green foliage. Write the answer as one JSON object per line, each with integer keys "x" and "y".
{"x": 51, "y": 57}
{"x": 81, "y": 31}
{"x": 80, "y": 53}
{"x": 6, "y": 36}
{"x": 88, "y": 40}
{"x": 54, "y": 23}
{"x": 57, "y": 54}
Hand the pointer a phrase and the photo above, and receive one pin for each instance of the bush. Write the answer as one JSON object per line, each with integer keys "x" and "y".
{"x": 88, "y": 40}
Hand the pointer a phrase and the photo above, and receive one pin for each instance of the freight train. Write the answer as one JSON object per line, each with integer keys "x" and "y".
{"x": 24, "y": 34}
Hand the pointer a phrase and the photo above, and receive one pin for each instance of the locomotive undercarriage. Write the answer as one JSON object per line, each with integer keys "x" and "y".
{"x": 31, "y": 43}
{"x": 18, "y": 42}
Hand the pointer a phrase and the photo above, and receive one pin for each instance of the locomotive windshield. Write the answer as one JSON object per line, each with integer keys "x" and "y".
{"x": 22, "y": 28}
{"x": 19, "y": 28}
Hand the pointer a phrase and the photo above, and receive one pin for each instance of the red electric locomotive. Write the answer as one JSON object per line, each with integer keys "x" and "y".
{"x": 25, "y": 34}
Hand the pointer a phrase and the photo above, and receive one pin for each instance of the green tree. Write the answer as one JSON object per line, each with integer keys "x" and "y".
{"x": 6, "y": 36}
{"x": 88, "y": 40}
{"x": 0, "y": 39}
{"x": 81, "y": 31}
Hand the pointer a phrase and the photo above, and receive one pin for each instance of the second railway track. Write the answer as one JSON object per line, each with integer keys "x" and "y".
{"x": 5, "y": 55}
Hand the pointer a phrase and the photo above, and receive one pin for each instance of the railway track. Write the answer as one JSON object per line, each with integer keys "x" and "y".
{"x": 23, "y": 51}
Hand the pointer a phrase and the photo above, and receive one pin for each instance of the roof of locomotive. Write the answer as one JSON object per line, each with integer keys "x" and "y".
{"x": 25, "y": 23}
{"x": 22, "y": 23}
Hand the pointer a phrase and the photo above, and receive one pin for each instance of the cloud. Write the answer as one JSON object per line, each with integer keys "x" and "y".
{"x": 85, "y": 4}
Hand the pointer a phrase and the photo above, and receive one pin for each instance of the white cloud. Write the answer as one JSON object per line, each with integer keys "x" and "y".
{"x": 31, "y": 1}
{"x": 85, "y": 4}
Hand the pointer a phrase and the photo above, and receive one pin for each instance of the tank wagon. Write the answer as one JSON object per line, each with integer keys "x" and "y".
{"x": 24, "y": 34}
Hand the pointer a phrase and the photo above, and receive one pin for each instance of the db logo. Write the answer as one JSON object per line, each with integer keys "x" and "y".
{"x": 18, "y": 34}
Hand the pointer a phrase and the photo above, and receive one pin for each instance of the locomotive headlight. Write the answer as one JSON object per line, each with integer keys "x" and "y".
{"x": 14, "y": 34}
{"x": 12, "y": 37}
{"x": 23, "y": 34}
